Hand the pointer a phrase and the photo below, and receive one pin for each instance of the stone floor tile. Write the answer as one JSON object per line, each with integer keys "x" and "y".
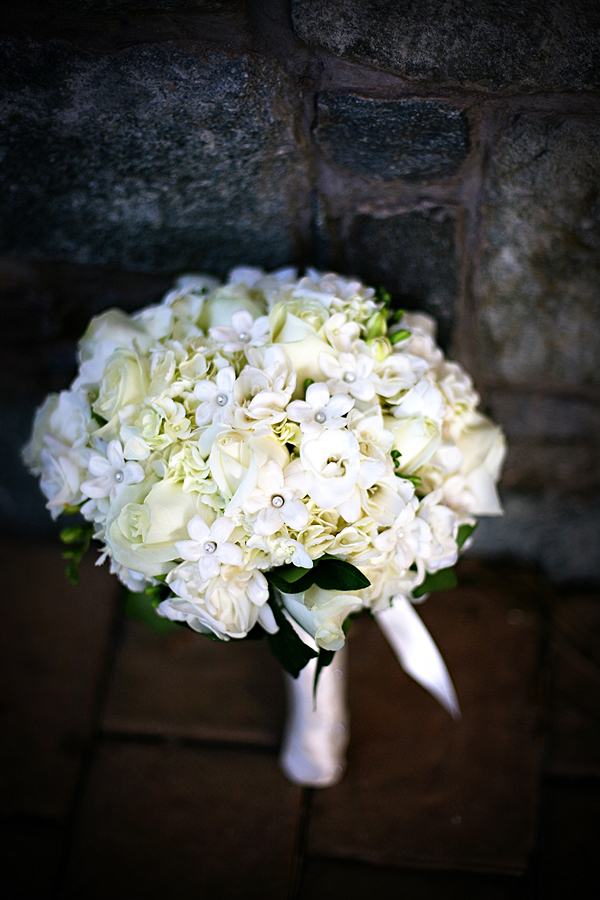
{"x": 569, "y": 843}
{"x": 327, "y": 879}
{"x": 574, "y": 746}
{"x": 422, "y": 789}
{"x": 184, "y": 685}
{"x": 166, "y": 820}
{"x": 31, "y": 856}
{"x": 52, "y": 644}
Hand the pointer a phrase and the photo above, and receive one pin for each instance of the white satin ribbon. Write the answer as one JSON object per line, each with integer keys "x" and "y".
{"x": 417, "y": 653}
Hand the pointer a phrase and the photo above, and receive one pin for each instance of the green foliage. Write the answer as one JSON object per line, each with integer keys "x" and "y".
{"x": 399, "y": 336}
{"x": 287, "y": 647}
{"x": 77, "y": 538}
{"x": 328, "y": 573}
{"x": 464, "y": 532}
{"x": 383, "y": 296}
{"x": 141, "y": 605}
{"x": 438, "y": 581}
{"x": 307, "y": 384}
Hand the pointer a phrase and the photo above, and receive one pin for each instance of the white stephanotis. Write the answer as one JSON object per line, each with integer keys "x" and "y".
{"x": 350, "y": 374}
{"x": 276, "y": 501}
{"x": 216, "y": 397}
{"x": 208, "y": 546}
{"x": 320, "y": 410}
{"x": 244, "y": 331}
{"x": 110, "y": 473}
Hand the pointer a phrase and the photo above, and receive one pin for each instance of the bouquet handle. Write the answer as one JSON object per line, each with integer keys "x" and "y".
{"x": 315, "y": 738}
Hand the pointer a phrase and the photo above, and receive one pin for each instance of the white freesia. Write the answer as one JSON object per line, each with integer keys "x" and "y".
{"x": 331, "y": 462}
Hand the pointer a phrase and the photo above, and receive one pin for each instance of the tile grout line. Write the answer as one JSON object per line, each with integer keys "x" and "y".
{"x": 300, "y": 843}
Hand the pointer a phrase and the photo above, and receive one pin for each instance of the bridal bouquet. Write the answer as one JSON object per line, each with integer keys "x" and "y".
{"x": 269, "y": 455}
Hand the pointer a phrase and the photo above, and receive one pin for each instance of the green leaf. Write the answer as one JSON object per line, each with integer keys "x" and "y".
{"x": 289, "y": 649}
{"x": 77, "y": 538}
{"x": 438, "y": 581}
{"x": 335, "y": 574}
{"x": 324, "y": 659}
{"x": 383, "y": 295}
{"x": 328, "y": 573}
{"x": 307, "y": 384}
{"x": 398, "y": 336}
{"x": 285, "y": 576}
{"x": 141, "y": 605}
{"x": 464, "y": 532}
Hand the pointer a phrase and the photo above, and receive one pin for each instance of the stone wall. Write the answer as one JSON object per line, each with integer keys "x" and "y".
{"x": 446, "y": 149}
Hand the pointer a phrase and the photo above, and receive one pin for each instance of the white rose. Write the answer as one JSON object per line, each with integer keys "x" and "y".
{"x": 125, "y": 381}
{"x": 110, "y": 331}
{"x": 416, "y": 438}
{"x": 220, "y": 306}
{"x": 236, "y": 457}
{"x": 483, "y": 448}
{"x": 143, "y": 525}
{"x": 228, "y": 606}
{"x": 65, "y": 417}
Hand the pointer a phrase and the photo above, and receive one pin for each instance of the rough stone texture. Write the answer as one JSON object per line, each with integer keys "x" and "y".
{"x": 535, "y": 44}
{"x": 574, "y": 744}
{"x": 416, "y": 140}
{"x": 183, "y": 822}
{"x": 154, "y": 158}
{"x": 421, "y": 788}
{"x": 562, "y": 466}
{"x": 54, "y": 642}
{"x": 126, "y": 6}
{"x": 539, "y": 282}
{"x": 182, "y": 685}
{"x": 413, "y": 255}
{"x": 561, "y": 534}
{"x": 537, "y": 415}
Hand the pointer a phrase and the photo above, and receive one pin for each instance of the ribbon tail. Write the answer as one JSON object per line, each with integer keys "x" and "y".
{"x": 417, "y": 652}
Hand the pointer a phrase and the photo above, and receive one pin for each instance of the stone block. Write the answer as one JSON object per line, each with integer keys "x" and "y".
{"x": 424, "y": 790}
{"x": 158, "y": 157}
{"x": 538, "y": 285}
{"x": 574, "y": 745}
{"x": 551, "y": 465}
{"x": 558, "y": 533}
{"x": 54, "y": 643}
{"x": 412, "y": 254}
{"x": 537, "y": 415}
{"x": 166, "y": 820}
{"x": 186, "y": 686}
{"x": 532, "y": 45}
{"x": 415, "y": 140}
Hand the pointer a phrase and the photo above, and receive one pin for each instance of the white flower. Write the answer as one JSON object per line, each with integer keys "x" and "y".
{"x": 224, "y": 302}
{"x": 472, "y": 491}
{"x": 275, "y": 501}
{"x": 216, "y": 397}
{"x": 209, "y": 546}
{"x": 110, "y": 473}
{"x": 322, "y": 614}
{"x": 349, "y": 374}
{"x": 243, "y": 332}
{"x": 228, "y": 606}
{"x": 320, "y": 410}
{"x": 331, "y": 462}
